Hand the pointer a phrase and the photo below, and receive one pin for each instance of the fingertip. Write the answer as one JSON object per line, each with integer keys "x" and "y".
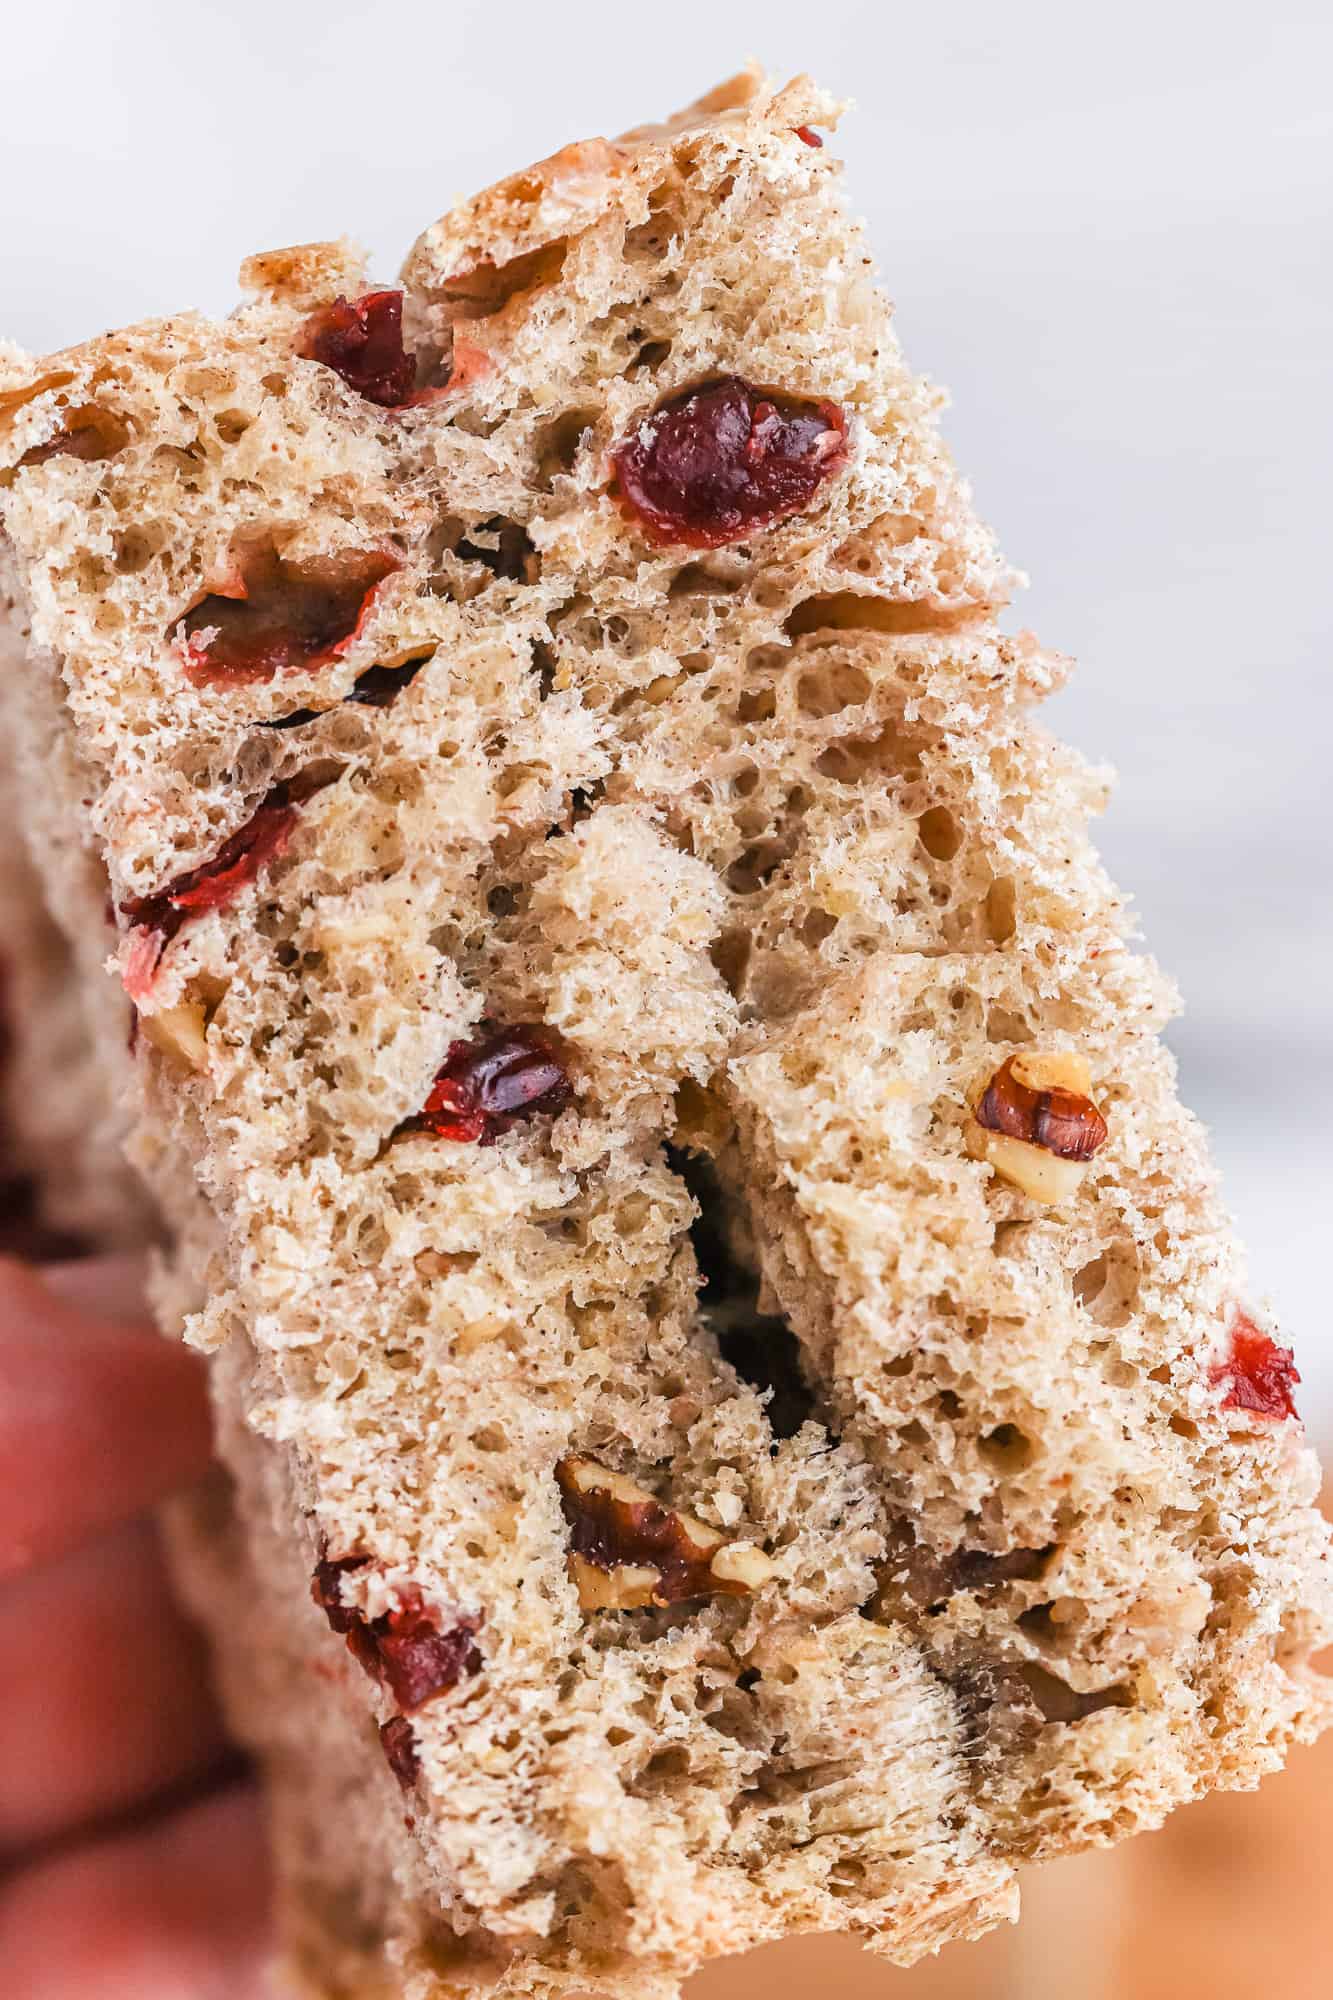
{"x": 99, "y": 1418}
{"x": 113, "y": 1287}
{"x": 174, "y": 1908}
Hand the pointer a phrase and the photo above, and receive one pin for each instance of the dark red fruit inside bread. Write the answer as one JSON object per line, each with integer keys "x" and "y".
{"x": 398, "y": 1740}
{"x": 281, "y": 617}
{"x": 485, "y": 1086}
{"x": 215, "y": 883}
{"x": 807, "y": 135}
{"x": 362, "y": 340}
{"x": 1260, "y": 1375}
{"x": 409, "y": 1649}
{"x": 715, "y": 463}
{"x": 417, "y": 1658}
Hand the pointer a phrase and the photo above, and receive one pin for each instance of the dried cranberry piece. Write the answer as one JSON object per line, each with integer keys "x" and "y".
{"x": 807, "y": 135}
{"x": 240, "y": 860}
{"x": 1260, "y": 1374}
{"x": 407, "y": 1649}
{"x": 282, "y": 617}
{"x": 484, "y": 1087}
{"x": 398, "y": 1740}
{"x": 362, "y": 340}
{"x": 417, "y": 1659}
{"x": 326, "y": 1589}
{"x": 712, "y": 464}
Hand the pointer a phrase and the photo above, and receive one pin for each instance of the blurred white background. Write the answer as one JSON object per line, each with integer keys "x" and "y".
{"x": 1109, "y": 232}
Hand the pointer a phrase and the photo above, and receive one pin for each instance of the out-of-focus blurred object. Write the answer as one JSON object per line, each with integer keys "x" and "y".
{"x": 1229, "y": 1901}
{"x": 64, "y": 1186}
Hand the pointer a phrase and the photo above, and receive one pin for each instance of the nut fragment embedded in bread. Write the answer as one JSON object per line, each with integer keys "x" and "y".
{"x": 179, "y": 1032}
{"x": 1037, "y": 1126}
{"x": 629, "y": 1550}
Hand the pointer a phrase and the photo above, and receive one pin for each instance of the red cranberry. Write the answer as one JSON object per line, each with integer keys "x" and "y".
{"x": 406, "y": 1648}
{"x": 417, "y": 1659}
{"x": 362, "y": 340}
{"x": 282, "y": 617}
{"x": 807, "y": 135}
{"x": 326, "y": 1589}
{"x": 713, "y": 464}
{"x": 485, "y": 1086}
{"x": 214, "y": 884}
{"x": 399, "y": 1742}
{"x": 1260, "y": 1375}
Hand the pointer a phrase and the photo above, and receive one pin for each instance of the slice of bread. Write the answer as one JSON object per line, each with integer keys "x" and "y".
{"x": 742, "y": 1406}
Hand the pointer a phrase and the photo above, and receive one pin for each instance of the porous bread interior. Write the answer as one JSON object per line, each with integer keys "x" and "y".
{"x": 769, "y": 835}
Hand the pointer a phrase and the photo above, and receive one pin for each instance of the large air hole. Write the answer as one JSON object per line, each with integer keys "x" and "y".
{"x": 761, "y": 1348}
{"x": 502, "y": 546}
{"x": 858, "y": 611}
{"x": 559, "y": 443}
{"x": 1107, "y": 1287}
{"x": 487, "y": 288}
{"x": 1058, "y": 1702}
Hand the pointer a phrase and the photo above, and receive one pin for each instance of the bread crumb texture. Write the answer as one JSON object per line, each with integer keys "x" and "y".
{"x": 740, "y": 1409}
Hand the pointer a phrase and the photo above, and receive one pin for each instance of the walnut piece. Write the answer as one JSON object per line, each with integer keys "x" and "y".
{"x": 1036, "y": 1125}
{"x": 628, "y": 1550}
{"x": 179, "y": 1032}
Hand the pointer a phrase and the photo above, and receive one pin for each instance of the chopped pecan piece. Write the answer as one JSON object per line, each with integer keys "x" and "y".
{"x": 1046, "y": 1114}
{"x": 628, "y": 1550}
{"x": 179, "y": 1032}
{"x": 1038, "y": 1126}
{"x": 408, "y": 1649}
